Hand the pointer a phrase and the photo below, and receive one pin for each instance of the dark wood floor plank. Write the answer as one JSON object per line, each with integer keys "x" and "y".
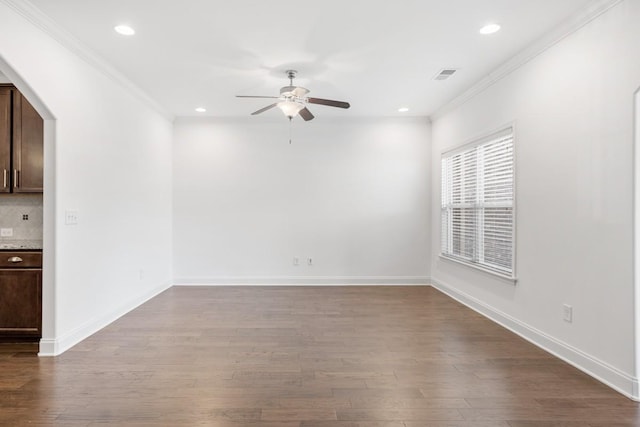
{"x": 456, "y": 424}
{"x": 303, "y": 357}
{"x": 410, "y": 414}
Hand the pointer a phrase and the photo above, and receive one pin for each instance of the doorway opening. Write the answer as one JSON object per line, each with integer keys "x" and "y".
{"x": 46, "y": 206}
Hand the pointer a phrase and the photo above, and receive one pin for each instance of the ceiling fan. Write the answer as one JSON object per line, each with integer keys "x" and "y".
{"x": 292, "y": 100}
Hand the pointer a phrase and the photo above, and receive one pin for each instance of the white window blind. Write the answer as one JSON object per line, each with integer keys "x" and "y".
{"x": 477, "y": 203}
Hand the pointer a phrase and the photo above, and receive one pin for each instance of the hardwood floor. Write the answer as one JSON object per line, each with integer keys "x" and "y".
{"x": 304, "y": 357}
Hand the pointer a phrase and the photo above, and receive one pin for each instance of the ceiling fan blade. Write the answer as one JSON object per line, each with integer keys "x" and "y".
{"x": 306, "y": 114}
{"x": 262, "y": 110}
{"x": 252, "y": 96}
{"x": 328, "y": 102}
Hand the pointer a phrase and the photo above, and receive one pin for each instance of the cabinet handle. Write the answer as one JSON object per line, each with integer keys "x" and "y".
{"x": 15, "y": 179}
{"x": 4, "y": 179}
{"x": 15, "y": 259}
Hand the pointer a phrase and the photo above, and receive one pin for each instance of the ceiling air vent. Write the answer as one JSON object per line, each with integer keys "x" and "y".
{"x": 445, "y": 74}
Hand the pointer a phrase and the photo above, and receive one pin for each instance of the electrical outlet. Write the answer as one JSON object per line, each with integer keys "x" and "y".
{"x": 296, "y": 260}
{"x": 567, "y": 313}
{"x": 71, "y": 217}
{"x": 6, "y": 232}
{"x": 309, "y": 261}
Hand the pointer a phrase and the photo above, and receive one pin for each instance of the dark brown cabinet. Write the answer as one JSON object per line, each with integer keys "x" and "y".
{"x": 21, "y": 144}
{"x": 6, "y": 96}
{"x": 20, "y": 296}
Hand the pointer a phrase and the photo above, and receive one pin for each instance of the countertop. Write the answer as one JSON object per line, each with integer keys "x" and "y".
{"x": 12, "y": 245}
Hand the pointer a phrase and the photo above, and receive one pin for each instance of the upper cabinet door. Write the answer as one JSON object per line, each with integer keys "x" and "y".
{"x": 27, "y": 147}
{"x": 5, "y": 139}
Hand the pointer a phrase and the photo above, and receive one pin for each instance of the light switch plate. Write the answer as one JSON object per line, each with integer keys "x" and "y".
{"x": 71, "y": 217}
{"x": 6, "y": 232}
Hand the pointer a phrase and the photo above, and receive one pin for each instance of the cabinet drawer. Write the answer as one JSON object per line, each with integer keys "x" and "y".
{"x": 10, "y": 259}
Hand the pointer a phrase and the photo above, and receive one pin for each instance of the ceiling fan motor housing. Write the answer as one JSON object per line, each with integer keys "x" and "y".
{"x": 293, "y": 91}
{"x": 287, "y": 90}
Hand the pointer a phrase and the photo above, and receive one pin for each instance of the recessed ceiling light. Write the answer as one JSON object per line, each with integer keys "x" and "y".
{"x": 490, "y": 29}
{"x": 403, "y": 109}
{"x": 125, "y": 30}
{"x": 201, "y": 110}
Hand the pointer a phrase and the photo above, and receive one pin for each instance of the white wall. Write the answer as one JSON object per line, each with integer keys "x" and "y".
{"x": 108, "y": 156}
{"x": 353, "y": 194}
{"x": 573, "y": 108}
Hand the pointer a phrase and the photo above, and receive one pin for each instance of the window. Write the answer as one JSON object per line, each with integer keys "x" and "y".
{"x": 477, "y": 203}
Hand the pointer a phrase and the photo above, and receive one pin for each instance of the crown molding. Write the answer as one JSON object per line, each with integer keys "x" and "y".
{"x": 568, "y": 27}
{"x": 40, "y": 20}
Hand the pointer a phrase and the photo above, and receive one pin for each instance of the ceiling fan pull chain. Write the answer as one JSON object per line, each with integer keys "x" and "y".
{"x": 290, "y": 129}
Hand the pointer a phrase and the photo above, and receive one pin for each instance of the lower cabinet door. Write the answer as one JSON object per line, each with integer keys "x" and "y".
{"x": 21, "y": 303}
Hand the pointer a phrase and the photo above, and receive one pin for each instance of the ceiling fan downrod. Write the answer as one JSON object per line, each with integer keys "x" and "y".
{"x": 291, "y": 74}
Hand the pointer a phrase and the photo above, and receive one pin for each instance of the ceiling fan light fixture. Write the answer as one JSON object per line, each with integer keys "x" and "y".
{"x": 290, "y": 108}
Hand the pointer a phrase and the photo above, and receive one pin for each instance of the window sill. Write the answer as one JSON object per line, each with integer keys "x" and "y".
{"x": 509, "y": 279}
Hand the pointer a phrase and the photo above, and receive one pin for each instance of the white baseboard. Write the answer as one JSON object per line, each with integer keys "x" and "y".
{"x": 603, "y": 372}
{"x": 54, "y": 347}
{"x": 48, "y": 347}
{"x": 303, "y": 280}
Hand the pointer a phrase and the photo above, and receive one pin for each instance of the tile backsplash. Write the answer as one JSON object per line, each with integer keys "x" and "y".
{"x": 23, "y": 213}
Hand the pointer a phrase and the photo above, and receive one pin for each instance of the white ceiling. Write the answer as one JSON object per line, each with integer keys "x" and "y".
{"x": 378, "y": 55}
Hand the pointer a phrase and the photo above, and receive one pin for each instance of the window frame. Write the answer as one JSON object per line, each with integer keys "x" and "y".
{"x": 467, "y": 146}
